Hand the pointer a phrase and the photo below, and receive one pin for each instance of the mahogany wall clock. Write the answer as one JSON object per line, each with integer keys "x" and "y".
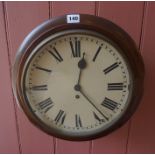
{"x": 78, "y": 77}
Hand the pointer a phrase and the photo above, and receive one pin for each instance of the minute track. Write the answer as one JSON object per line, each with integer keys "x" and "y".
{"x": 77, "y": 118}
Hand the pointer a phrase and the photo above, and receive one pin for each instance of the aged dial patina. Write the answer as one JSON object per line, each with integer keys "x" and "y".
{"x": 76, "y": 83}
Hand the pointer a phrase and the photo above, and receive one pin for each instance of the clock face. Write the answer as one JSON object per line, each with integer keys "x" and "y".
{"x": 77, "y": 82}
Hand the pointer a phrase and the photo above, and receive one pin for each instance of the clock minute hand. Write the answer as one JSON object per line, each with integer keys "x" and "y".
{"x": 79, "y": 78}
{"x": 92, "y": 103}
{"x": 82, "y": 65}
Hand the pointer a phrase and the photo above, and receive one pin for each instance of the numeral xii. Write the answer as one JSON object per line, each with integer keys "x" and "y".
{"x": 75, "y": 48}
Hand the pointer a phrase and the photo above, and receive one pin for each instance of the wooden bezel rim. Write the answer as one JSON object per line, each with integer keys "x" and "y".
{"x": 88, "y": 22}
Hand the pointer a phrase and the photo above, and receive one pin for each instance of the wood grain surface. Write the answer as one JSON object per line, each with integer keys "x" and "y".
{"x": 142, "y": 137}
{"x": 8, "y": 131}
{"x": 22, "y": 17}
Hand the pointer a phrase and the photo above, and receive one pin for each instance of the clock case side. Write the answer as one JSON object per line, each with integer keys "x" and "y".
{"x": 87, "y": 22}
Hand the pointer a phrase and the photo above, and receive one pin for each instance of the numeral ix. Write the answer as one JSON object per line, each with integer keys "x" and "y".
{"x": 78, "y": 121}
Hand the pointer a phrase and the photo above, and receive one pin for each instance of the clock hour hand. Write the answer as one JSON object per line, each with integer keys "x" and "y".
{"x": 81, "y": 64}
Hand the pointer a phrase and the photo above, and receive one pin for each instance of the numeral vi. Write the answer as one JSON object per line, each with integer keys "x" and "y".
{"x": 78, "y": 121}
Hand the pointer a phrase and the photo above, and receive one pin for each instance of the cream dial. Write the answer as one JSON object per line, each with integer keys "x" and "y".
{"x": 77, "y": 82}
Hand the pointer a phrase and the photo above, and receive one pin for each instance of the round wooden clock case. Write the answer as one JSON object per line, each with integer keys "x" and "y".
{"x": 78, "y": 77}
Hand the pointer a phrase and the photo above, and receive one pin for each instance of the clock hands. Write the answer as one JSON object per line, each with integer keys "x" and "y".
{"x": 82, "y": 65}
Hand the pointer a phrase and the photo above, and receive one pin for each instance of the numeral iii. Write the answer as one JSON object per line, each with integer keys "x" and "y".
{"x": 115, "y": 86}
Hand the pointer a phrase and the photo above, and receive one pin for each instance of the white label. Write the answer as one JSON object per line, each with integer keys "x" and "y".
{"x": 73, "y": 18}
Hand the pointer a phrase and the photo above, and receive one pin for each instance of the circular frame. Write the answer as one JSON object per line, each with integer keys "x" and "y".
{"x": 55, "y": 36}
{"x": 87, "y": 22}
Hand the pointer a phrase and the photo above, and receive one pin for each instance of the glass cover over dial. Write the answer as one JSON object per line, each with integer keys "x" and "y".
{"x": 77, "y": 82}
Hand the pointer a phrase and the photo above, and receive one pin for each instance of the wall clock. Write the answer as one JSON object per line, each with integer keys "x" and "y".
{"x": 78, "y": 77}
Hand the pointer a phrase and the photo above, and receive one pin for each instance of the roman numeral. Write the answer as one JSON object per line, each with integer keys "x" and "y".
{"x": 110, "y": 104}
{"x": 46, "y": 105}
{"x": 96, "y": 116}
{"x": 76, "y": 48}
{"x": 78, "y": 121}
{"x": 97, "y": 52}
{"x": 60, "y": 117}
{"x": 55, "y": 54}
{"x": 44, "y": 69}
{"x": 115, "y": 86}
{"x": 110, "y": 68}
{"x": 39, "y": 88}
